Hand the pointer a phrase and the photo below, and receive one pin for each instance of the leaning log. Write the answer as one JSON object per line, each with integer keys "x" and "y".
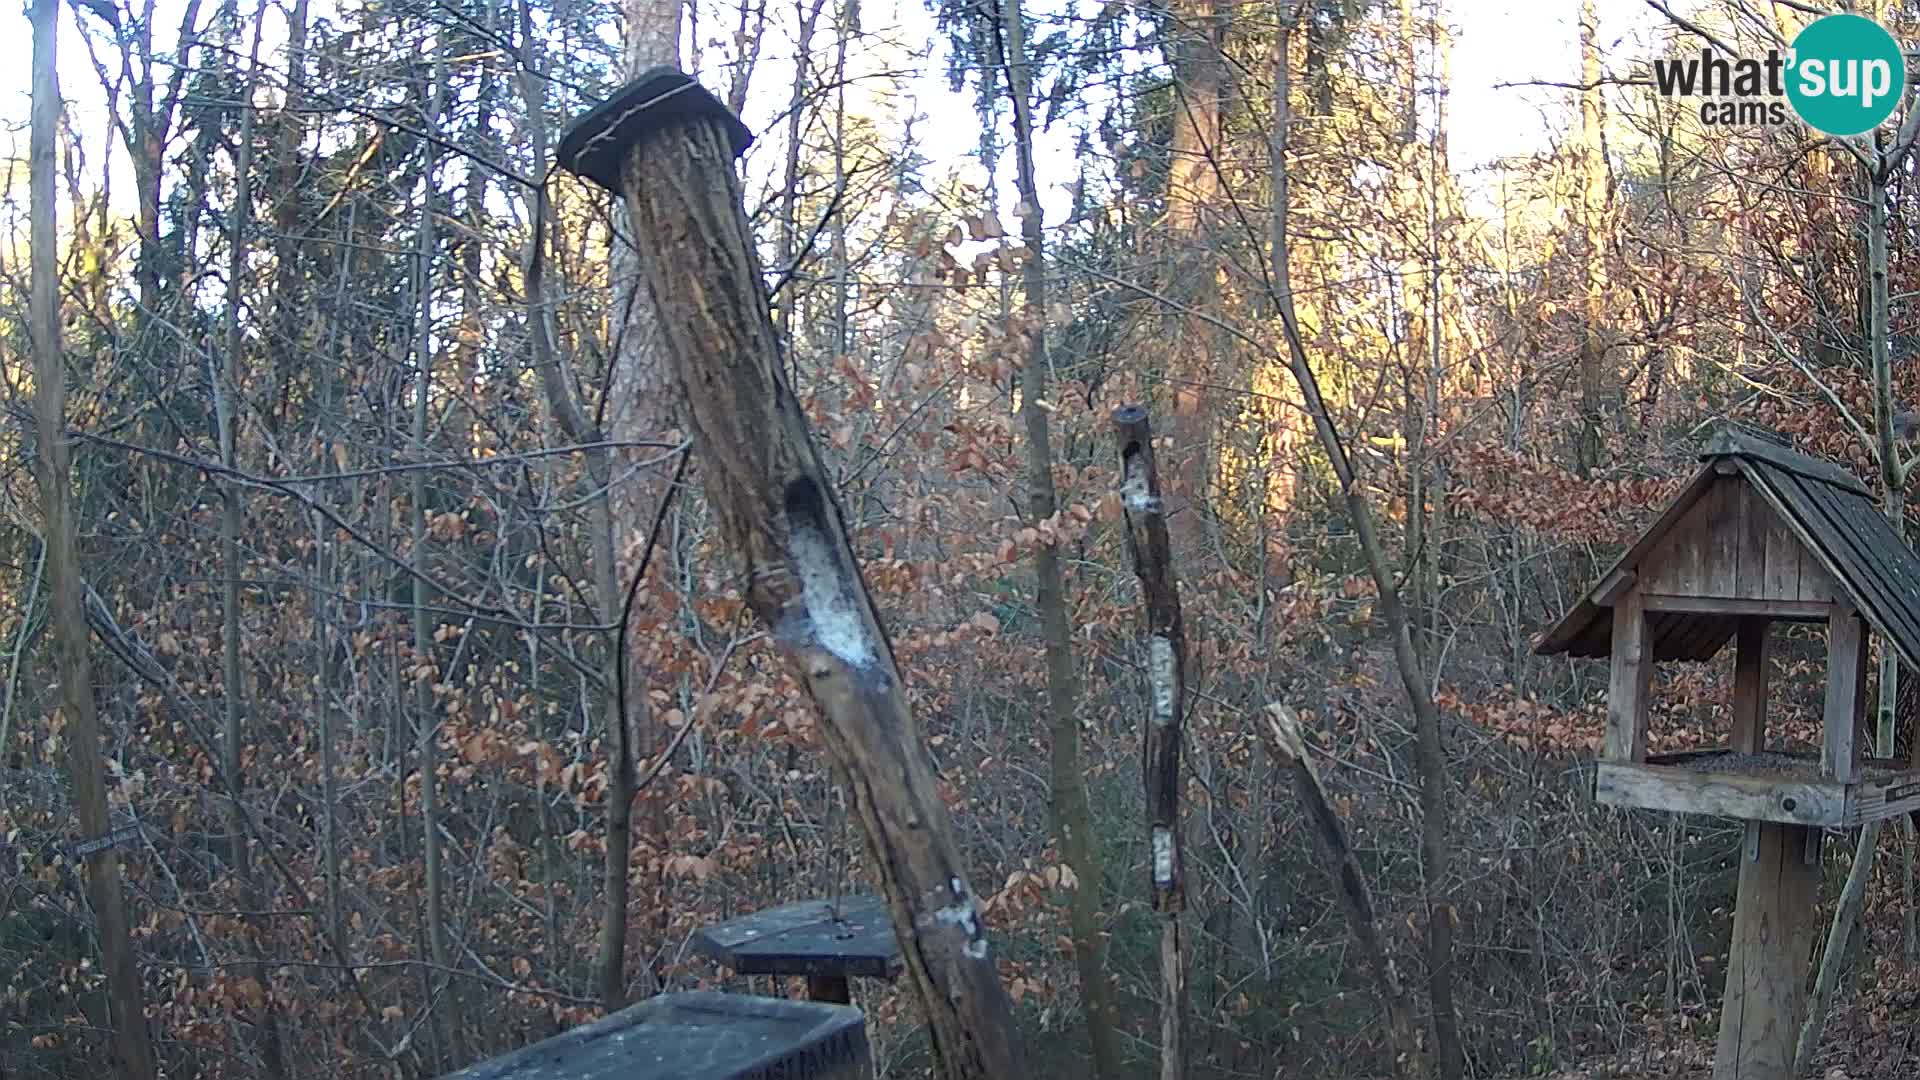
{"x": 667, "y": 146}
{"x": 1350, "y": 885}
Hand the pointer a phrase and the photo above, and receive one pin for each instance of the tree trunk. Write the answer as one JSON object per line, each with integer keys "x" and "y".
{"x": 426, "y": 673}
{"x": 776, "y": 508}
{"x": 1434, "y": 504}
{"x": 790, "y": 189}
{"x": 289, "y": 214}
{"x": 227, "y": 398}
{"x": 1072, "y": 818}
{"x": 1593, "y": 191}
{"x": 133, "y": 1053}
{"x": 640, "y": 406}
{"x": 1893, "y": 478}
{"x": 1198, "y": 29}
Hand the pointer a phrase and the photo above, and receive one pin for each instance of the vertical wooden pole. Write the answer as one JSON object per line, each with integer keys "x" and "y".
{"x": 1773, "y": 933}
{"x": 1632, "y": 673}
{"x": 1141, "y": 502}
{"x": 833, "y": 988}
{"x": 1845, "y": 649}
{"x": 1750, "y": 686}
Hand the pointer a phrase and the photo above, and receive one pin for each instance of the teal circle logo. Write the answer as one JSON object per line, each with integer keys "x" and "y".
{"x": 1848, "y": 75}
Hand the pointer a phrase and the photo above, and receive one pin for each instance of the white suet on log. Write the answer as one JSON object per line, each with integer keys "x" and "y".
{"x": 1162, "y": 843}
{"x": 1162, "y": 674}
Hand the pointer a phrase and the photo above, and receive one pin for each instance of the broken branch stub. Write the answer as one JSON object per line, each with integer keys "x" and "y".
{"x": 668, "y": 147}
{"x": 1166, "y": 649}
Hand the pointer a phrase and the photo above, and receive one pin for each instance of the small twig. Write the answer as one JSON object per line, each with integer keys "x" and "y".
{"x": 633, "y": 588}
{"x": 1610, "y": 80}
{"x": 680, "y": 736}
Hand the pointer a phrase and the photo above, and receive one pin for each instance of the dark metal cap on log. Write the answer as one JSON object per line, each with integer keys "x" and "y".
{"x": 595, "y": 146}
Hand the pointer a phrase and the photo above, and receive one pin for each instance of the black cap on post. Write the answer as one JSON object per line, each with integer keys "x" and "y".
{"x": 595, "y": 146}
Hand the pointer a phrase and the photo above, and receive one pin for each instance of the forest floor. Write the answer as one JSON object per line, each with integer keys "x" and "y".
{"x": 1871, "y": 1035}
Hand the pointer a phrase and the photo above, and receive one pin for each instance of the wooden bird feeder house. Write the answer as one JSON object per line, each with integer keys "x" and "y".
{"x": 1761, "y": 534}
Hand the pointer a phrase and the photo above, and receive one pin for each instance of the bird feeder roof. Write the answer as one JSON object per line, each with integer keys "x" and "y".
{"x": 1830, "y": 513}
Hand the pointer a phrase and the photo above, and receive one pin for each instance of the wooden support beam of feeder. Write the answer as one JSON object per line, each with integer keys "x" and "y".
{"x": 1846, "y": 660}
{"x": 1750, "y": 686}
{"x": 1147, "y": 539}
{"x": 1773, "y": 935}
{"x": 1784, "y": 610}
{"x": 1632, "y": 673}
{"x": 668, "y": 147}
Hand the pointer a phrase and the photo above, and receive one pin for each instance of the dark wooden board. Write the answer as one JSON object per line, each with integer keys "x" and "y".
{"x": 596, "y": 145}
{"x": 697, "y": 1036}
{"x": 808, "y": 939}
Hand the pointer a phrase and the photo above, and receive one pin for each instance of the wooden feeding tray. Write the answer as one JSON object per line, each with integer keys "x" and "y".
{"x": 1766, "y": 786}
{"x": 698, "y": 1036}
{"x": 825, "y": 940}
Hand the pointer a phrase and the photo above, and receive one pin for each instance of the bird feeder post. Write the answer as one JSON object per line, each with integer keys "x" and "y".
{"x": 1765, "y": 999}
{"x": 667, "y": 146}
{"x": 1750, "y": 658}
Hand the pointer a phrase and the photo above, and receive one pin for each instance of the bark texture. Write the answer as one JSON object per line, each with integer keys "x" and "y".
{"x": 639, "y": 407}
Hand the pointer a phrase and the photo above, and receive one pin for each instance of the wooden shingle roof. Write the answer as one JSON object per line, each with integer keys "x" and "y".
{"x": 1830, "y": 511}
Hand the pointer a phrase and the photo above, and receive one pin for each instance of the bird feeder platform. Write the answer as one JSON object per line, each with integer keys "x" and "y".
{"x": 827, "y": 941}
{"x": 1791, "y": 789}
{"x": 698, "y": 1036}
{"x": 1760, "y": 535}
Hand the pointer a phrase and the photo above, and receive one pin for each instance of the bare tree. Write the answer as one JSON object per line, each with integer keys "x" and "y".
{"x": 1072, "y": 820}
{"x": 426, "y": 707}
{"x": 1590, "y": 208}
{"x": 639, "y": 406}
{"x": 1449, "y": 1055}
{"x": 133, "y": 1050}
